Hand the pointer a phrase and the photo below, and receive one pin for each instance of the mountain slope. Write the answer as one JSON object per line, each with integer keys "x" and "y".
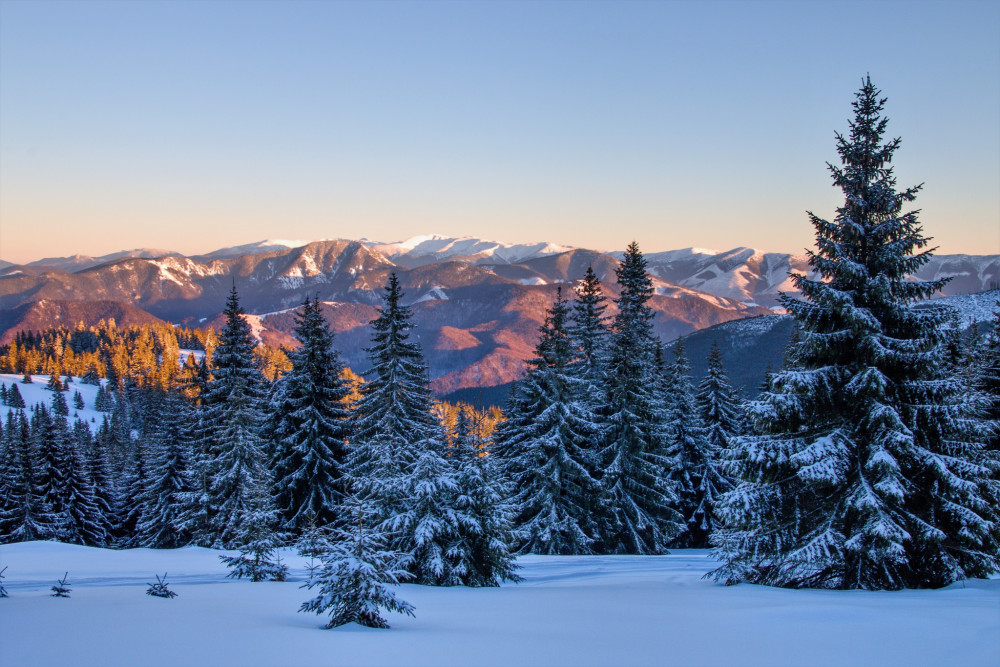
{"x": 37, "y": 315}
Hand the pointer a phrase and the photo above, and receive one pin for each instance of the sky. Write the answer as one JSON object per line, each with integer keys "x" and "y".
{"x": 190, "y": 126}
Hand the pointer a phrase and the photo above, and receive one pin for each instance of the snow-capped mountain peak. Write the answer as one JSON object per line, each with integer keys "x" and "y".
{"x": 426, "y": 249}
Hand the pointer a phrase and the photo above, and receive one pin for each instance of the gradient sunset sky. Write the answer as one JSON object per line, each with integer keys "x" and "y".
{"x": 193, "y": 125}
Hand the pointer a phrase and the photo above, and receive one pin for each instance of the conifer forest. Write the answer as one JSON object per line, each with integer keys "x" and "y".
{"x": 870, "y": 460}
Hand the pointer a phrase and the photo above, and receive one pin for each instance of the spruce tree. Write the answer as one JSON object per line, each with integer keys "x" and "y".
{"x": 237, "y": 475}
{"x": 160, "y": 525}
{"x": 14, "y": 398}
{"x": 695, "y": 465}
{"x": 309, "y": 427}
{"x": 425, "y": 524}
{"x": 106, "y": 495}
{"x": 135, "y": 478}
{"x": 547, "y": 449}
{"x": 635, "y": 461}
{"x": 257, "y": 541}
{"x": 871, "y": 470}
{"x": 50, "y": 445}
{"x": 393, "y": 417}
{"x": 988, "y": 378}
{"x": 86, "y": 520}
{"x": 24, "y": 516}
{"x": 353, "y": 581}
{"x": 480, "y": 553}
{"x": 231, "y": 428}
{"x": 588, "y": 330}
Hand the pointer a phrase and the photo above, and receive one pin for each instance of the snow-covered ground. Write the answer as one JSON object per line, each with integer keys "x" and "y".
{"x": 36, "y": 392}
{"x": 599, "y": 610}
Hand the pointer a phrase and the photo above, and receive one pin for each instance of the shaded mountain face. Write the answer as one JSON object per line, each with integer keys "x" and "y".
{"x": 750, "y": 347}
{"x": 37, "y": 315}
{"x": 751, "y": 276}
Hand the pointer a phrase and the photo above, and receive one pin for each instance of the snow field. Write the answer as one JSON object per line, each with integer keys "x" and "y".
{"x": 36, "y": 393}
{"x": 572, "y": 610}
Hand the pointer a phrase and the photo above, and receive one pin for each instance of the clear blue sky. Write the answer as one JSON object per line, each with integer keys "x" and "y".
{"x": 193, "y": 125}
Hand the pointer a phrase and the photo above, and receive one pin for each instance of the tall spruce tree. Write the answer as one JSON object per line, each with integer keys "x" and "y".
{"x": 398, "y": 464}
{"x": 480, "y": 552}
{"x": 309, "y": 427}
{"x": 635, "y": 461}
{"x": 871, "y": 470}
{"x": 547, "y": 449}
{"x": 24, "y": 516}
{"x": 232, "y": 423}
{"x": 393, "y": 415}
{"x": 988, "y": 378}
{"x": 695, "y": 466}
{"x": 170, "y": 479}
{"x": 588, "y": 330}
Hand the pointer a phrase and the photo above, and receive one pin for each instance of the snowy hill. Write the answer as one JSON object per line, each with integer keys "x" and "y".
{"x": 570, "y": 610}
{"x": 80, "y": 262}
{"x": 755, "y": 277}
{"x": 259, "y": 247}
{"x": 36, "y": 393}
{"x": 423, "y": 250}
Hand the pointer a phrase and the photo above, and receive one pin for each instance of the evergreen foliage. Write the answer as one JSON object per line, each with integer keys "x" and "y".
{"x": 393, "y": 416}
{"x": 871, "y": 469}
{"x": 62, "y": 588}
{"x": 309, "y": 427}
{"x": 258, "y": 558}
{"x": 695, "y": 465}
{"x": 988, "y": 379}
{"x": 170, "y": 482}
{"x": 24, "y": 516}
{"x": 233, "y": 449}
{"x": 480, "y": 552}
{"x": 588, "y": 329}
{"x": 353, "y": 581}
{"x": 425, "y": 524}
{"x": 14, "y": 398}
{"x": 159, "y": 589}
{"x": 634, "y": 458}
{"x": 546, "y": 449}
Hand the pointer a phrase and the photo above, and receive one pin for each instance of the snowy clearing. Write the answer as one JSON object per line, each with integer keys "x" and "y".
{"x": 575, "y": 610}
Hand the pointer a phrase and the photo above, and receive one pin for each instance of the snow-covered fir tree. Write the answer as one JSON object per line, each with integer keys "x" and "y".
{"x": 14, "y": 398}
{"x": 588, "y": 329}
{"x": 134, "y": 483}
{"x": 635, "y": 462}
{"x": 169, "y": 482}
{"x": 394, "y": 410}
{"x": 988, "y": 378}
{"x": 237, "y": 475}
{"x": 870, "y": 470}
{"x": 695, "y": 465}
{"x": 257, "y": 541}
{"x": 394, "y": 413}
{"x": 50, "y": 444}
{"x": 354, "y": 579}
{"x": 106, "y": 495}
{"x": 232, "y": 419}
{"x": 547, "y": 449}
{"x": 425, "y": 524}
{"x": 480, "y": 552}
{"x": 309, "y": 427}
{"x": 24, "y": 516}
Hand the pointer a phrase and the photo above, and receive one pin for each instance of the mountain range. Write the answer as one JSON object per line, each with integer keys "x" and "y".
{"x": 477, "y": 304}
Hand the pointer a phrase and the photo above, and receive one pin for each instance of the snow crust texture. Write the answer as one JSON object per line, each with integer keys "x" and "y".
{"x": 569, "y": 610}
